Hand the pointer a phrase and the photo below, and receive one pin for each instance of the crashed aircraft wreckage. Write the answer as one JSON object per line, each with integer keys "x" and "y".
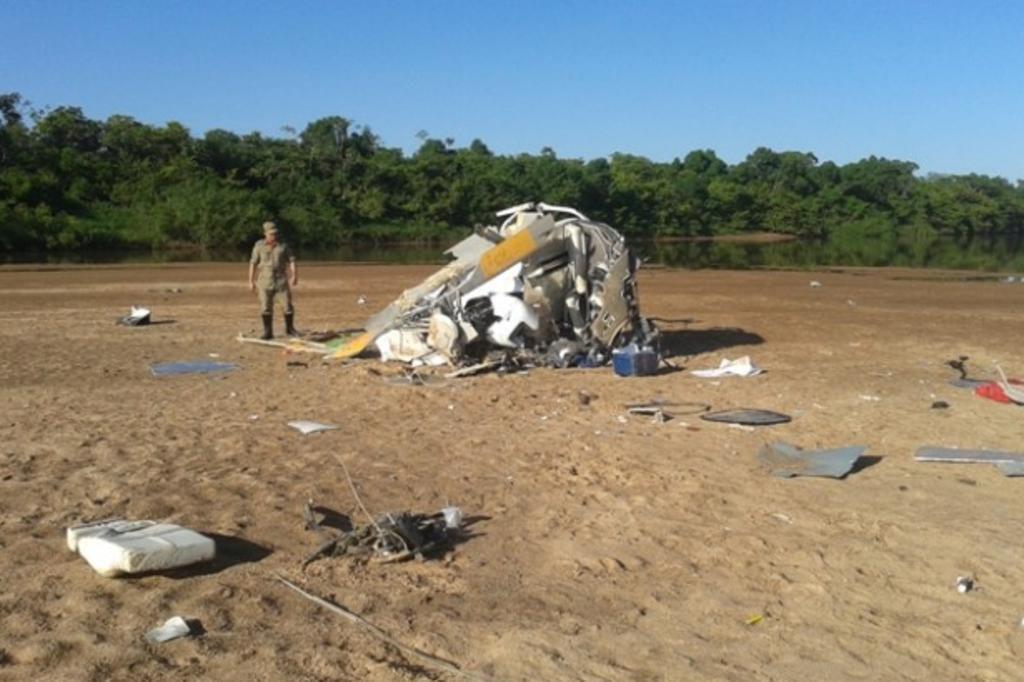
{"x": 548, "y": 286}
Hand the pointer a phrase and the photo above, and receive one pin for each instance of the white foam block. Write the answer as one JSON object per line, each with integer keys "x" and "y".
{"x": 153, "y": 548}
{"x": 107, "y": 527}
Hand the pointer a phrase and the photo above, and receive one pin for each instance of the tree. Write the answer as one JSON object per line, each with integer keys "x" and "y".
{"x": 67, "y": 181}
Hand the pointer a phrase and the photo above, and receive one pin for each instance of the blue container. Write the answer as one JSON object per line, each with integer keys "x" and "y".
{"x": 631, "y": 361}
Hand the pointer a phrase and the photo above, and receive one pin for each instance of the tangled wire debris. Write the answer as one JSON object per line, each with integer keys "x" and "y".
{"x": 391, "y": 537}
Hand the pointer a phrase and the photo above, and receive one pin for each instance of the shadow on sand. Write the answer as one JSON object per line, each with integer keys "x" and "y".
{"x": 686, "y": 342}
{"x": 231, "y": 551}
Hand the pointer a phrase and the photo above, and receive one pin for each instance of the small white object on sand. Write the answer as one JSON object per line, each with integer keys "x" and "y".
{"x": 964, "y": 584}
{"x": 307, "y": 427}
{"x": 740, "y": 367}
{"x": 452, "y": 517}
{"x": 173, "y": 629}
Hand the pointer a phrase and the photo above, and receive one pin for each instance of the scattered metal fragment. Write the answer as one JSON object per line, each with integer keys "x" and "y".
{"x": 1009, "y": 463}
{"x": 307, "y": 427}
{"x": 967, "y": 383}
{"x": 172, "y": 629}
{"x": 474, "y": 369}
{"x": 678, "y": 408}
{"x": 138, "y": 317}
{"x": 747, "y": 417}
{"x": 964, "y": 584}
{"x": 412, "y": 377}
{"x": 1011, "y": 469}
{"x": 453, "y": 517}
{"x": 787, "y": 461}
{"x": 671, "y": 365}
{"x": 656, "y": 412}
{"x": 291, "y": 345}
{"x": 309, "y": 517}
{"x": 199, "y": 367}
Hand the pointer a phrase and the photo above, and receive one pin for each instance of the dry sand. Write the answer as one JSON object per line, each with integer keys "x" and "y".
{"x": 602, "y": 549}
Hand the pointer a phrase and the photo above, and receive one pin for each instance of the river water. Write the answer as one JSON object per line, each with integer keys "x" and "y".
{"x": 1003, "y": 253}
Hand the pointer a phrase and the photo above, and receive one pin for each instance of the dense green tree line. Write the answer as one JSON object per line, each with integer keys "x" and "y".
{"x": 70, "y": 182}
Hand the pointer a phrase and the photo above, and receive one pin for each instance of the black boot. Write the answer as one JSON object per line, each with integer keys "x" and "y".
{"x": 289, "y": 324}
{"x": 268, "y": 327}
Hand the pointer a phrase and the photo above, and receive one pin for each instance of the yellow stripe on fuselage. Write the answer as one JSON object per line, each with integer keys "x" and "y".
{"x": 506, "y": 254}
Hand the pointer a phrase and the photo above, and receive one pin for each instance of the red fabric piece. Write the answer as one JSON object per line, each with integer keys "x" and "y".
{"x": 994, "y": 391}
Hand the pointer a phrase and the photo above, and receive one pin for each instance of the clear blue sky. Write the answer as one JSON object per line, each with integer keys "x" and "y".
{"x": 939, "y": 83}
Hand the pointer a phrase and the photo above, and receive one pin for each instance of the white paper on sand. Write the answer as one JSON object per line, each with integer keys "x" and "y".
{"x": 741, "y": 367}
{"x": 307, "y": 427}
{"x": 120, "y": 547}
{"x": 173, "y": 629}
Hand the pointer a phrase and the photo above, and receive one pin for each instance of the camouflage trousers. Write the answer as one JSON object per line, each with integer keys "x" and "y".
{"x": 267, "y": 299}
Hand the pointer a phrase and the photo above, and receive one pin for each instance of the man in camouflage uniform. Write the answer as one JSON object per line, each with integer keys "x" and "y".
{"x": 272, "y": 271}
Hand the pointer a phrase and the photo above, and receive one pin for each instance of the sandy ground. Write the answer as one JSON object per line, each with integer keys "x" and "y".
{"x": 603, "y": 548}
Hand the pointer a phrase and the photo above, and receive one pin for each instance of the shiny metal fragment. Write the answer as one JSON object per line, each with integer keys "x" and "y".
{"x": 1009, "y": 463}
{"x": 747, "y": 417}
{"x": 787, "y": 461}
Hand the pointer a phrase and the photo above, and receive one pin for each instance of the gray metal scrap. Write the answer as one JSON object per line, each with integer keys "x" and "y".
{"x": 1009, "y": 463}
